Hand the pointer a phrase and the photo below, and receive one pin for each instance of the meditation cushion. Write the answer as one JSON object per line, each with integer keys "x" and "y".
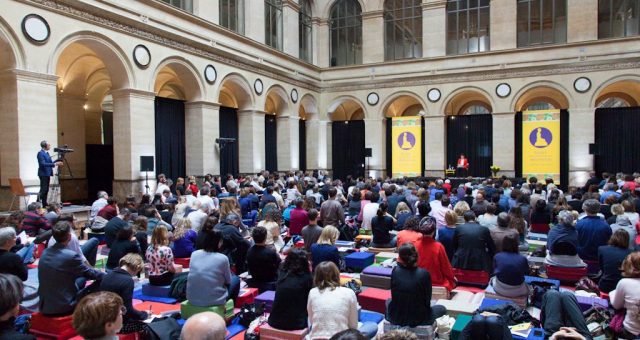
{"x": 490, "y": 294}
{"x": 158, "y": 308}
{"x": 159, "y": 291}
{"x": 490, "y": 302}
{"x": 383, "y": 256}
{"x": 234, "y": 328}
{"x": 269, "y": 333}
{"x": 423, "y": 332}
{"x": 377, "y": 277}
{"x": 530, "y": 279}
{"x": 187, "y": 310}
{"x": 566, "y": 275}
{"x": 586, "y": 302}
{"x": 438, "y": 293}
{"x": 345, "y": 244}
{"x": 266, "y": 298}
{"x": 246, "y": 295}
{"x": 369, "y": 316}
{"x": 471, "y": 277}
{"x": 183, "y": 261}
{"x": 359, "y": 260}
{"x": 363, "y": 231}
{"x": 456, "y": 308}
{"x": 380, "y": 250}
{"x": 461, "y": 322}
{"x": 57, "y": 327}
{"x": 374, "y": 299}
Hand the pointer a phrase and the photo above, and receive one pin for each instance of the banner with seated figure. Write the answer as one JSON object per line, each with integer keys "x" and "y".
{"x": 541, "y": 144}
{"x": 406, "y": 146}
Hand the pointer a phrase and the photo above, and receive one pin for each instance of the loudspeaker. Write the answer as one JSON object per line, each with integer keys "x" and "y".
{"x": 593, "y": 149}
{"x": 368, "y": 152}
{"x": 146, "y": 163}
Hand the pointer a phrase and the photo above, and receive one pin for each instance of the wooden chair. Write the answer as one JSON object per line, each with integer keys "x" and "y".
{"x": 17, "y": 188}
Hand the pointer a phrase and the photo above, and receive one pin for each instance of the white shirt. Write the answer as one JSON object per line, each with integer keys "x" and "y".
{"x": 161, "y": 188}
{"x": 96, "y": 206}
{"x": 439, "y": 213}
{"x": 207, "y": 203}
{"x": 279, "y": 199}
{"x": 331, "y": 311}
{"x": 256, "y": 186}
{"x": 369, "y": 211}
{"x": 73, "y": 245}
{"x": 190, "y": 199}
{"x": 627, "y": 295}
{"x": 197, "y": 219}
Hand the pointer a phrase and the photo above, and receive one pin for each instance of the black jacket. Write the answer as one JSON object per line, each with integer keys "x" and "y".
{"x": 473, "y": 248}
{"x": 120, "y": 282}
{"x": 410, "y": 297}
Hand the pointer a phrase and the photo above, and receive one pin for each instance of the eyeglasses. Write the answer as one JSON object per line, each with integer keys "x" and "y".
{"x": 123, "y": 310}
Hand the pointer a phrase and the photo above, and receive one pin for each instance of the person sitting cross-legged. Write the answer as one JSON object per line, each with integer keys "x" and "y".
{"x": 289, "y": 310}
{"x": 262, "y": 262}
{"x": 510, "y": 268}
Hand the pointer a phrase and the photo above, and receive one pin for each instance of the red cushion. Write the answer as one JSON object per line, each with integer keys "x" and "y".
{"x": 58, "y": 327}
{"x": 541, "y": 228}
{"x": 184, "y": 261}
{"x": 130, "y": 336}
{"x": 565, "y": 274}
{"x": 374, "y": 299}
{"x": 246, "y": 295}
{"x": 473, "y": 277}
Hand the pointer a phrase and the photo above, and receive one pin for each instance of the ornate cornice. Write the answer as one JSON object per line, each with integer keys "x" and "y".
{"x": 93, "y": 16}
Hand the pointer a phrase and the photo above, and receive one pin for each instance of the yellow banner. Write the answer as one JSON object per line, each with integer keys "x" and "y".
{"x": 541, "y": 144}
{"x": 406, "y": 146}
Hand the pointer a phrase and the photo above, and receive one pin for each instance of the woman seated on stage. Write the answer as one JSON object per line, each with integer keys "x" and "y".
{"x": 325, "y": 249}
{"x": 381, "y": 225}
{"x": 160, "y": 258}
{"x": 289, "y": 310}
{"x": 510, "y": 268}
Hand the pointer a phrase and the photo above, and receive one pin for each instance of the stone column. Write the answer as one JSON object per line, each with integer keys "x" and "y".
{"x": 376, "y": 129}
{"x": 503, "y": 23}
{"x": 317, "y": 144}
{"x": 435, "y": 153}
{"x": 208, "y": 10}
{"x": 254, "y": 20}
{"x": 434, "y": 28}
{"x": 372, "y": 37}
{"x": 290, "y": 18}
{"x": 251, "y": 143}
{"x": 28, "y": 115}
{"x": 134, "y": 136}
{"x": 71, "y": 132}
{"x": 582, "y": 20}
{"x": 202, "y": 121}
{"x": 325, "y": 128}
{"x": 321, "y": 40}
{"x": 288, "y": 143}
{"x": 504, "y": 142}
{"x": 581, "y": 134}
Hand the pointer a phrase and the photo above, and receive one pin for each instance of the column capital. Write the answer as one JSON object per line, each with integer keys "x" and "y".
{"x": 291, "y": 4}
{"x": 283, "y": 117}
{"x": 250, "y": 112}
{"x": 29, "y": 76}
{"x": 320, "y": 21}
{"x": 202, "y": 104}
{"x": 119, "y": 93}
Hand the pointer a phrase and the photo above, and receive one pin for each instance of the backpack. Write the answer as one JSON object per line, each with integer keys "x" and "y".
{"x": 179, "y": 286}
{"x": 538, "y": 289}
{"x": 162, "y": 329}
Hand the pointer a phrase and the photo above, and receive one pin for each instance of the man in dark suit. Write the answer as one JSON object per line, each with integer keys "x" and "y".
{"x": 45, "y": 171}
{"x": 62, "y": 274}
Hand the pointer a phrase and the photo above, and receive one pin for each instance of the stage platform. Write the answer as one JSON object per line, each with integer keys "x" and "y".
{"x": 456, "y": 181}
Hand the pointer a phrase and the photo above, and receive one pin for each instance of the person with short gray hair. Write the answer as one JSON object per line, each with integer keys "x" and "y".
{"x": 593, "y": 231}
{"x": 499, "y": 233}
{"x": 98, "y": 204}
{"x": 562, "y": 242}
{"x": 234, "y": 245}
{"x": 11, "y": 263}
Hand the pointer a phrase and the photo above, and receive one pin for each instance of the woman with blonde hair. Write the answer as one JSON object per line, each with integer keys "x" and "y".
{"x": 325, "y": 249}
{"x": 271, "y": 222}
{"x": 160, "y": 258}
{"x": 184, "y": 239}
{"x": 627, "y": 295}
{"x": 193, "y": 186}
{"x": 402, "y": 214}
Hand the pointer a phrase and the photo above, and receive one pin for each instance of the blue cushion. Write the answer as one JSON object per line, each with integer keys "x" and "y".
{"x": 487, "y": 302}
{"x": 530, "y": 279}
{"x": 369, "y": 316}
{"x": 159, "y": 291}
{"x": 140, "y": 296}
{"x": 360, "y": 260}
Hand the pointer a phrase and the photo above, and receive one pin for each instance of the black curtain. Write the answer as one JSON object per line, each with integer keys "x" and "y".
{"x": 347, "y": 148}
{"x": 389, "y": 153}
{"x": 170, "y": 138}
{"x": 107, "y": 128}
{"x": 99, "y": 168}
{"x": 423, "y": 148}
{"x": 617, "y": 140}
{"x": 302, "y": 144}
{"x": 471, "y": 135}
{"x": 271, "y": 143}
{"x": 564, "y": 147}
{"x": 229, "y": 151}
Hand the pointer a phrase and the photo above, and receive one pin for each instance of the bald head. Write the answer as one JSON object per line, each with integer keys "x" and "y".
{"x": 204, "y": 326}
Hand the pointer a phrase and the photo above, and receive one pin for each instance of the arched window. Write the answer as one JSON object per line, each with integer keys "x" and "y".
{"x": 232, "y": 15}
{"x": 186, "y": 5}
{"x": 475, "y": 108}
{"x": 612, "y": 102}
{"x": 273, "y": 23}
{"x": 305, "y": 31}
{"x": 540, "y": 106}
{"x": 402, "y": 29}
{"x": 345, "y": 24}
{"x": 467, "y": 26}
{"x": 542, "y": 22}
{"x": 618, "y": 18}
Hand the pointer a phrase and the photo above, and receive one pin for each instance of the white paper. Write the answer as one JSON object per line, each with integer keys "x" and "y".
{"x": 23, "y": 237}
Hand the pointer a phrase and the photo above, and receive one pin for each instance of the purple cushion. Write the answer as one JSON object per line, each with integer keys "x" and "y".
{"x": 586, "y": 302}
{"x": 378, "y": 270}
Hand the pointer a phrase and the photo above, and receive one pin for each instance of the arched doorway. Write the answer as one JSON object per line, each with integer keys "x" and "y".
{"x": 276, "y": 106}
{"x": 617, "y": 120}
{"x": 405, "y": 105}
{"x": 235, "y": 93}
{"x": 469, "y": 127}
{"x": 347, "y": 138}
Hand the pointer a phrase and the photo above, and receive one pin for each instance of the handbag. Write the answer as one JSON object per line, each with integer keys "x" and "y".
{"x": 588, "y": 285}
{"x": 249, "y": 312}
{"x": 162, "y": 329}
{"x": 353, "y": 285}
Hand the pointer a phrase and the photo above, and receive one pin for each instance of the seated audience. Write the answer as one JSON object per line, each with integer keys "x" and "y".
{"x": 34, "y": 222}
{"x": 160, "y": 258}
{"x": 262, "y": 262}
{"x": 349, "y": 334}
{"x": 440, "y": 210}
{"x": 502, "y": 230}
{"x": 125, "y": 243}
{"x": 299, "y": 218}
{"x": 355, "y": 205}
{"x": 115, "y": 224}
{"x": 381, "y": 225}
{"x": 509, "y": 269}
{"x": 517, "y": 222}
{"x": 410, "y": 304}
{"x": 154, "y": 219}
{"x": 197, "y": 215}
{"x": 562, "y": 243}
{"x": 623, "y": 223}
{"x": 184, "y": 239}
{"x": 446, "y": 233}
{"x": 99, "y": 316}
{"x": 332, "y": 308}
{"x": 88, "y": 251}
{"x": 424, "y": 209}
{"x": 560, "y": 309}
{"x": 140, "y": 233}
{"x": 411, "y": 233}
{"x": 209, "y": 225}
{"x": 473, "y": 246}
{"x": 11, "y": 263}
{"x": 610, "y": 258}
{"x": 540, "y": 217}
{"x": 53, "y": 211}
{"x": 61, "y": 269}
{"x": 234, "y": 245}
{"x": 331, "y": 211}
{"x": 369, "y": 210}
{"x": 489, "y": 218}
{"x": 210, "y": 281}
{"x": 627, "y": 295}
{"x": 460, "y": 208}
{"x": 630, "y": 211}
{"x": 616, "y": 211}
{"x": 120, "y": 281}
{"x": 402, "y": 214}
{"x": 432, "y": 256}
{"x": 312, "y": 231}
{"x": 105, "y": 215}
{"x": 204, "y": 326}
{"x": 271, "y": 223}
{"x": 98, "y": 204}
{"x": 289, "y": 311}
{"x": 368, "y": 196}
{"x": 10, "y": 297}
{"x": 325, "y": 249}
{"x": 593, "y": 231}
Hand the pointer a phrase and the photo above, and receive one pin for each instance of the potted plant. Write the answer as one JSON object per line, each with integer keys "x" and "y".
{"x": 494, "y": 170}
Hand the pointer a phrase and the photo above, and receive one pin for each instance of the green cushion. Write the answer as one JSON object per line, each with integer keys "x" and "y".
{"x": 187, "y": 309}
{"x": 461, "y": 322}
{"x": 363, "y": 231}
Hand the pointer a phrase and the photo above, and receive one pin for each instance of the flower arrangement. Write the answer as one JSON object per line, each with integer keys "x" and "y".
{"x": 494, "y": 170}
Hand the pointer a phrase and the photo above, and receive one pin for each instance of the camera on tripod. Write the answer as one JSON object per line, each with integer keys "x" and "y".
{"x": 63, "y": 149}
